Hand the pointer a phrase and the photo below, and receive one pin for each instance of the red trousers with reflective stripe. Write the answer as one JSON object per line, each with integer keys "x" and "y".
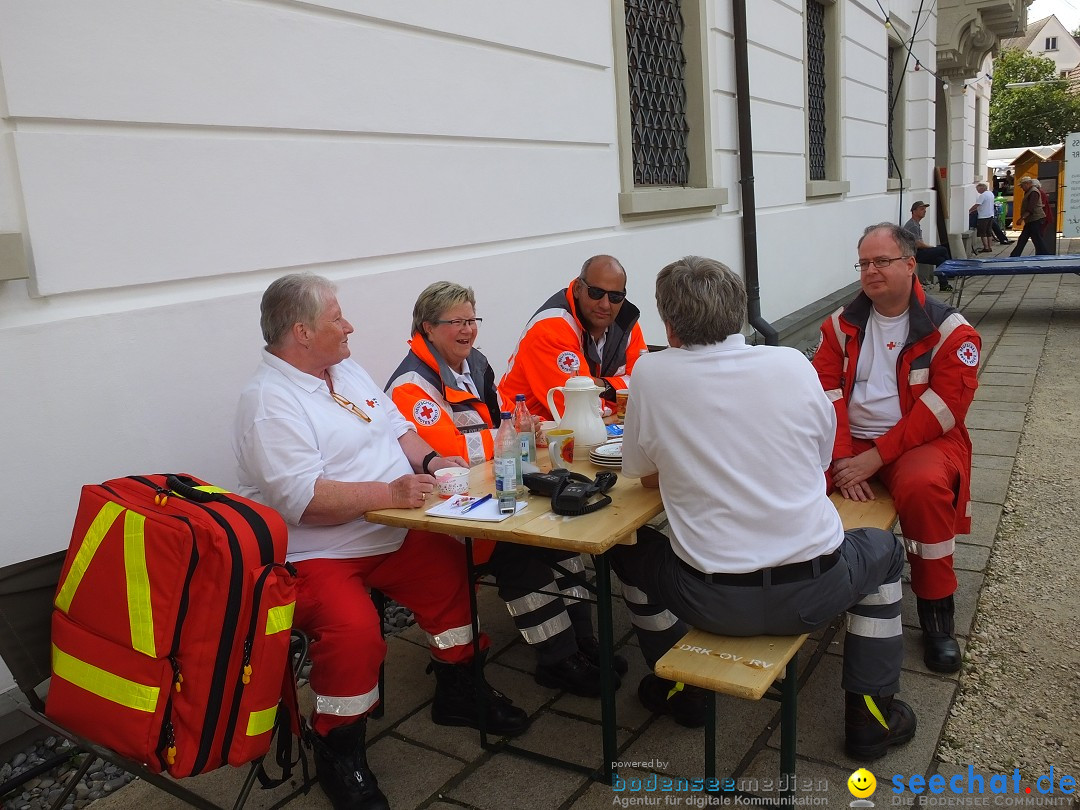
{"x": 924, "y": 483}
{"x": 427, "y": 575}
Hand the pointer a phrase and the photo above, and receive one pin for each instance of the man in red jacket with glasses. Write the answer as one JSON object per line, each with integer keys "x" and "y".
{"x": 901, "y": 370}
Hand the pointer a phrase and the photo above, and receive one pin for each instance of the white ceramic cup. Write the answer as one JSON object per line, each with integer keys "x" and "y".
{"x": 452, "y": 481}
{"x": 560, "y": 447}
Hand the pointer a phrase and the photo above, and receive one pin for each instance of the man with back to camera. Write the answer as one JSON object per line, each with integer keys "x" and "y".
{"x": 924, "y": 253}
{"x": 588, "y": 328}
{"x": 756, "y": 545}
{"x": 901, "y": 370}
{"x": 318, "y": 440}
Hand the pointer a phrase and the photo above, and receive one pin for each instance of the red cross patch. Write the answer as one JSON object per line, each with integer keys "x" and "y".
{"x": 426, "y": 412}
{"x": 890, "y": 345}
{"x": 568, "y": 362}
{"x": 372, "y": 403}
{"x": 968, "y": 353}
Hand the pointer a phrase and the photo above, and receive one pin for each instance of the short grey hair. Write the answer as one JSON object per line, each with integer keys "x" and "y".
{"x": 905, "y": 240}
{"x": 701, "y": 300}
{"x": 292, "y": 299}
{"x": 436, "y": 299}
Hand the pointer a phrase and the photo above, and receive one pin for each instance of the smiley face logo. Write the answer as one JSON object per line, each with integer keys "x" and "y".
{"x": 862, "y": 783}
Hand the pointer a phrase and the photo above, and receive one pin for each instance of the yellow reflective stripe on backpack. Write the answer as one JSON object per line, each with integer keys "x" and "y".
{"x": 104, "y": 684}
{"x": 99, "y": 527}
{"x": 140, "y": 613}
{"x": 211, "y": 488}
{"x": 279, "y": 618}
{"x": 261, "y": 722}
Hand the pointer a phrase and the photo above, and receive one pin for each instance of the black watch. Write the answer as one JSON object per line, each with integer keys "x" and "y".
{"x": 434, "y": 454}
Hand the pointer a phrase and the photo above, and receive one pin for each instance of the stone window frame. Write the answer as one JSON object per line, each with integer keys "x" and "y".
{"x": 700, "y": 194}
{"x": 833, "y": 185}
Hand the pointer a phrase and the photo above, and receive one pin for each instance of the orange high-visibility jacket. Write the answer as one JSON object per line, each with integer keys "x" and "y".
{"x": 453, "y": 421}
{"x": 936, "y": 372}
{"x": 555, "y": 346}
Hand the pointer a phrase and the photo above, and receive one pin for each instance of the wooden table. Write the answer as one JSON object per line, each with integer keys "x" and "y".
{"x": 632, "y": 505}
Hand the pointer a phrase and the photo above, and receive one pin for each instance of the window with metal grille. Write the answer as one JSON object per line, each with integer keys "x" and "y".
{"x": 656, "y": 69}
{"x": 896, "y": 103}
{"x": 815, "y": 84}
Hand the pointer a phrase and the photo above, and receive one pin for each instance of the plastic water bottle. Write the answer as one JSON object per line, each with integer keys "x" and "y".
{"x": 507, "y": 465}
{"x": 523, "y": 426}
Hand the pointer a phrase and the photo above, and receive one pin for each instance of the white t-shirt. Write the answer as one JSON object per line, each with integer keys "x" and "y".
{"x": 289, "y": 432}
{"x": 875, "y": 400}
{"x": 741, "y": 436}
{"x": 985, "y": 201}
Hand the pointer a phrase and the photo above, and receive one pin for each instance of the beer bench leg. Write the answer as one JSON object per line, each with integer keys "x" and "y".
{"x": 789, "y": 698}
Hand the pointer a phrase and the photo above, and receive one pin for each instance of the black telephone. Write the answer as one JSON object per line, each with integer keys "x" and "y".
{"x": 570, "y": 492}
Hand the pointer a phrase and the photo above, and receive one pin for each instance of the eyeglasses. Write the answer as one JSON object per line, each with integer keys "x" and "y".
{"x": 880, "y": 263}
{"x": 596, "y": 293}
{"x": 344, "y": 403}
{"x": 457, "y": 323}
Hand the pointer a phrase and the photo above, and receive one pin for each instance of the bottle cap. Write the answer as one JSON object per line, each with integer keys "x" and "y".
{"x": 520, "y": 398}
{"x": 506, "y": 414}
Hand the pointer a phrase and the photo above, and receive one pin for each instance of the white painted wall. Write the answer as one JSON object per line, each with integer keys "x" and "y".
{"x": 165, "y": 161}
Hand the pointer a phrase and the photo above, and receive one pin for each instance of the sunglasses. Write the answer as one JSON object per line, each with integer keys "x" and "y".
{"x": 596, "y": 293}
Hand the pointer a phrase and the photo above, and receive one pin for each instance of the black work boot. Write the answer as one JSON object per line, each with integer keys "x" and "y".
{"x": 685, "y": 703}
{"x": 341, "y": 765}
{"x": 873, "y": 724}
{"x": 941, "y": 653}
{"x": 575, "y": 674}
{"x": 590, "y": 646}
{"x": 458, "y": 699}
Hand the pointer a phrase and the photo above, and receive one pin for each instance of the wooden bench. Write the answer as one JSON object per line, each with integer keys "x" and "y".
{"x": 747, "y": 666}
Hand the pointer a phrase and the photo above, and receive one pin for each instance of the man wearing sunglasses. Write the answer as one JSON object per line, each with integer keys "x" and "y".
{"x": 901, "y": 370}
{"x": 589, "y": 328}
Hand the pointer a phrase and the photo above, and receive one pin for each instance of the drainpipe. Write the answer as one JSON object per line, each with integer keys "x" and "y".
{"x": 746, "y": 172}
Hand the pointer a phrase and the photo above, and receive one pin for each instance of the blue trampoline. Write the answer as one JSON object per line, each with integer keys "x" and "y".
{"x": 961, "y": 269}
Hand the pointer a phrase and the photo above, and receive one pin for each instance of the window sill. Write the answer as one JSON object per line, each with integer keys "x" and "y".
{"x": 897, "y": 183}
{"x": 670, "y": 200}
{"x": 827, "y": 188}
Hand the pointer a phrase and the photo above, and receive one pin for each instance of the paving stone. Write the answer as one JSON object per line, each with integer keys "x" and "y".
{"x": 409, "y": 774}
{"x": 508, "y": 782}
{"x": 982, "y": 462}
{"x": 1025, "y": 381}
{"x": 991, "y": 405}
{"x": 1003, "y": 393}
{"x": 995, "y": 420}
{"x": 989, "y": 486}
{"x": 738, "y": 724}
{"x": 970, "y": 556}
{"x": 995, "y": 442}
{"x": 984, "y": 522}
{"x": 550, "y": 733}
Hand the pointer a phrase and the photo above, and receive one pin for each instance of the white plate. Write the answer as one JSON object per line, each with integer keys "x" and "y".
{"x": 611, "y": 450}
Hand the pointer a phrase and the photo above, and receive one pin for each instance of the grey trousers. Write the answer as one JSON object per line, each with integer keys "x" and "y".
{"x": 664, "y": 597}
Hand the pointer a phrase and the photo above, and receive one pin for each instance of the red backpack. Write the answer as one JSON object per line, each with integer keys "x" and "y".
{"x": 171, "y": 628}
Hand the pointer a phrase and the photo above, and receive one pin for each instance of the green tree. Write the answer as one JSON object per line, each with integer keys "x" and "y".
{"x": 1030, "y": 116}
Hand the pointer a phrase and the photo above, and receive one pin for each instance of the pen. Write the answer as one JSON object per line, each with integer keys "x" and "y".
{"x": 475, "y": 504}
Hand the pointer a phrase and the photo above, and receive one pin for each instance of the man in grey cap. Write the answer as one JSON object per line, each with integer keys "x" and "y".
{"x": 924, "y": 253}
